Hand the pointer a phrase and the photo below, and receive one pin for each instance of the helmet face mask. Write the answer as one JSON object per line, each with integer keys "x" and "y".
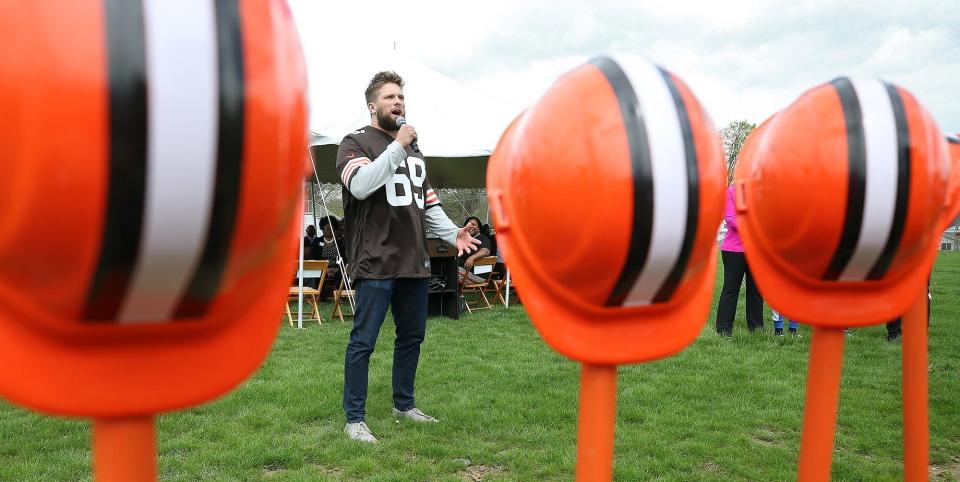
{"x": 839, "y": 197}
{"x": 182, "y": 194}
{"x": 639, "y": 158}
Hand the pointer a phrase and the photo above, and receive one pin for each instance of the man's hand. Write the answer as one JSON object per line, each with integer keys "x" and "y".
{"x": 465, "y": 242}
{"x": 406, "y": 135}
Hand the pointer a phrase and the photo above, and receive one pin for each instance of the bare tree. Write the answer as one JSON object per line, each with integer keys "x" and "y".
{"x": 462, "y": 202}
{"x": 327, "y": 195}
{"x": 733, "y": 136}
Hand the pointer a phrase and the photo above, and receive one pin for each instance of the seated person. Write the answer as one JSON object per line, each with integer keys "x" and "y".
{"x": 500, "y": 269}
{"x": 308, "y": 240}
{"x": 330, "y": 249}
{"x": 466, "y": 260}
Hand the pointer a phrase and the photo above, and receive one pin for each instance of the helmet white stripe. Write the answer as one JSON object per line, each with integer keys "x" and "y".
{"x": 181, "y": 55}
{"x": 878, "y": 185}
{"x": 880, "y": 136}
{"x": 670, "y": 181}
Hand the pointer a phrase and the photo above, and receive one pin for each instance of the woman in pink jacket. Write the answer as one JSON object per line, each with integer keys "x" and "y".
{"x": 734, "y": 269}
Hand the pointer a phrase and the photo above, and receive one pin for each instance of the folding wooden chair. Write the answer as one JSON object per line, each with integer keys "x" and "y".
{"x": 491, "y": 290}
{"x": 338, "y": 296}
{"x": 481, "y": 288}
{"x": 311, "y": 269}
{"x": 499, "y": 286}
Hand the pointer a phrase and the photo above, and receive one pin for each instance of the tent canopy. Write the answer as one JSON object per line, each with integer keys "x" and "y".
{"x": 459, "y": 126}
{"x": 453, "y": 172}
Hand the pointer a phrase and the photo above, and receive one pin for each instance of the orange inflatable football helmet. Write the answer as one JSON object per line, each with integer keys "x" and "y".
{"x": 838, "y": 200}
{"x": 606, "y": 196}
{"x": 151, "y": 176}
{"x": 952, "y": 209}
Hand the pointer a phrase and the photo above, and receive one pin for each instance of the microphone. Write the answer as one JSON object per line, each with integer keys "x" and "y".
{"x": 401, "y": 121}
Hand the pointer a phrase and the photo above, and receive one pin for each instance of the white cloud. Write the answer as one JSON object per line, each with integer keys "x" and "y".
{"x": 904, "y": 47}
{"x": 744, "y": 59}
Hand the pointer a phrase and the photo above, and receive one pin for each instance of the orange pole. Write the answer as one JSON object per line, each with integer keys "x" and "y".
{"x": 598, "y": 413}
{"x": 916, "y": 432}
{"x": 125, "y": 449}
{"x": 820, "y": 407}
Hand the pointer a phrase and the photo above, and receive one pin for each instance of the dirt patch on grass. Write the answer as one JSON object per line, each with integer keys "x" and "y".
{"x": 947, "y": 471}
{"x": 768, "y": 437}
{"x": 477, "y": 473}
{"x": 331, "y": 471}
{"x": 710, "y": 466}
{"x": 335, "y": 472}
{"x": 273, "y": 470}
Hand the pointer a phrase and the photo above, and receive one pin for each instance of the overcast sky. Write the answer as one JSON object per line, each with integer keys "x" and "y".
{"x": 743, "y": 59}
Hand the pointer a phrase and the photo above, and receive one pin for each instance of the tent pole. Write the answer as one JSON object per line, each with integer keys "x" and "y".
{"x": 454, "y": 192}
{"x": 300, "y": 270}
{"x": 336, "y": 245}
{"x": 507, "y": 304}
{"x": 313, "y": 201}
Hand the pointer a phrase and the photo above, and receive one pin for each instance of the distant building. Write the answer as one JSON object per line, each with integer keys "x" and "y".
{"x": 951, "y": 239}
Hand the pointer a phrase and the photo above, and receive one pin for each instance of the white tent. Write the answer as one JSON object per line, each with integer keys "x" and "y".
{"x": 458, "y": 126}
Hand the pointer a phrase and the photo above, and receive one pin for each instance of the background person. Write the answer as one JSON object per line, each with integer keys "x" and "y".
{"x": 329, "y": 246}
{"x": 778, "y": 318}
{"x": 308, "y": 238}
{"x": 472, "y": 225}
{"x": 734, "y": 270}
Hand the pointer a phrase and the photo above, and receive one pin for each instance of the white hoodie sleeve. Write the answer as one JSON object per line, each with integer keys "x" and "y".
{"x": 438, "y": 223}
{"x": 362, "y": 177}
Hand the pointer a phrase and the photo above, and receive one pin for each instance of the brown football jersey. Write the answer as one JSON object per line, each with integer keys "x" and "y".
{"x": 386, "y": 231}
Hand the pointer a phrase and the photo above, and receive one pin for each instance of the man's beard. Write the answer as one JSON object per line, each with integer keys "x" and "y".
{"x": 386, "y": 122}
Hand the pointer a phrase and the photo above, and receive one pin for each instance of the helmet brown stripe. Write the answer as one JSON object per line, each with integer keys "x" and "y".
{"x": 206, "y": 280}
{"x": 128, "y": 159}
{"x": 856, "y": 180}
{"x": 642, "y": 225}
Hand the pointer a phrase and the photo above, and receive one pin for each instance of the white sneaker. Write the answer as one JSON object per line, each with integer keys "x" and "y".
{"x": 360, "y": 431}
{"x": 414, "y": 414}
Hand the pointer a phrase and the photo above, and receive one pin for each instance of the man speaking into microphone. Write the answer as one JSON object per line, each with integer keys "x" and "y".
{"x": 388, "y": 203}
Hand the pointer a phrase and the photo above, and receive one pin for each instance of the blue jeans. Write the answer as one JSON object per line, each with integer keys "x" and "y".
{"x": 407, "y": 298}
{"x": 778, "y": 320}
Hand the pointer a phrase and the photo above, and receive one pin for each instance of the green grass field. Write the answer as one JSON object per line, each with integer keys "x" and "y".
{"x": 720, "y": 410}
